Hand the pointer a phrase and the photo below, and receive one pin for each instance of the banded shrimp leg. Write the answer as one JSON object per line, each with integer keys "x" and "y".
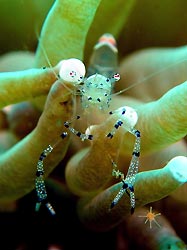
{"x": 145, "y": 69}
{"x": 128, "y": 182}
{"x": 71, "y": 71}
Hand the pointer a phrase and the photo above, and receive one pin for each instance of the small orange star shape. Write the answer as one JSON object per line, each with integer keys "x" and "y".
{"x": 151, "y": 217}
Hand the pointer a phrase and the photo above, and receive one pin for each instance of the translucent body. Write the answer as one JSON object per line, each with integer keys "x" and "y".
{"x": 96, "y": 91}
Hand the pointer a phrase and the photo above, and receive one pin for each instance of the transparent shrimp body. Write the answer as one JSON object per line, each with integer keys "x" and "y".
{"x": 96, "y": 91}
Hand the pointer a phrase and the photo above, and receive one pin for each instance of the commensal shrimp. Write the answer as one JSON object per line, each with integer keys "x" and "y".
{"x": 95, "y": 90}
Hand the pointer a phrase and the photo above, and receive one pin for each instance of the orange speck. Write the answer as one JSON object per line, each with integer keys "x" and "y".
{"x": 150, "y": 216}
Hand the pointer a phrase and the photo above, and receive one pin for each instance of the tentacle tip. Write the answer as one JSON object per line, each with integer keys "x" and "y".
{"x": 72, "y": 70}
{"x": 177, "y": 168}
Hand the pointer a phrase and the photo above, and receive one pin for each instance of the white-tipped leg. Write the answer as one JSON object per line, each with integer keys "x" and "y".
{"x": 129, "y": 115}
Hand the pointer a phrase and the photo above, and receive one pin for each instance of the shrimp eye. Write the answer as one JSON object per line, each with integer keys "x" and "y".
{"x": 116, "y": 77}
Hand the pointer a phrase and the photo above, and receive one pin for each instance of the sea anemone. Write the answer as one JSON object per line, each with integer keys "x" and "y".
{"x": 35, "y": 104}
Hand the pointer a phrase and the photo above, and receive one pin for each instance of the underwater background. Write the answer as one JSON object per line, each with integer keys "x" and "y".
{"x": 151, "y": 41}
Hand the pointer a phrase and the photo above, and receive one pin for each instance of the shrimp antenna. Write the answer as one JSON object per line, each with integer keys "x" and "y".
{"x": 148, "y": 77}
{"x": 49, "y": 63}
{"x": 45, "y": 54}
